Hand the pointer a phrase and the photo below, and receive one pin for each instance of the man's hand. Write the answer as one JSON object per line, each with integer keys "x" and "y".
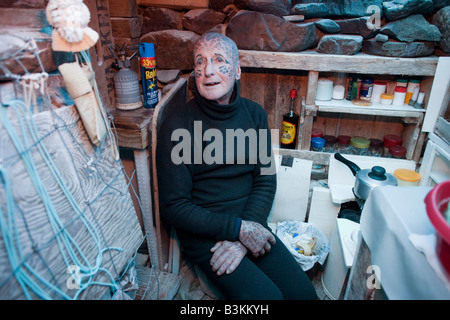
{"x": 256, "y": 238}
{"x": 227, "y": 256}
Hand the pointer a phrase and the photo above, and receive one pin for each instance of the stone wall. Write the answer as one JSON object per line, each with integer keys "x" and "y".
{"x": 398, "y": 28}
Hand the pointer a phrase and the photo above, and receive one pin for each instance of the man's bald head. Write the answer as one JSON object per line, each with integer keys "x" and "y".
{"x": 216, "y": 40}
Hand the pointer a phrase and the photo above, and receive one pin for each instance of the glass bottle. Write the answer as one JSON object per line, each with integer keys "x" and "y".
{"x": 290, "y": 124}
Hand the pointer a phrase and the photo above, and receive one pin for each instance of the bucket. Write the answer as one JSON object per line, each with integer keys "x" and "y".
{"x": 335, "y": 273}
{"x": 436, "y": 203}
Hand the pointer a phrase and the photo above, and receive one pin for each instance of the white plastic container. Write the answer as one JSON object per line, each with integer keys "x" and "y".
{"x": 407, "y": 178}
{"x": 378, "y": 89}
{"x": 399, "y": 96}
{"x": 324, "y": 90}
{"x": 386, "y": 99}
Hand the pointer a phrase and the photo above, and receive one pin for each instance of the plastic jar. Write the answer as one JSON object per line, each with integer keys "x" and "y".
{"x": 379, "y": 88}
{"x": 390, "y": 140}
{"x": 386, "y": 99}
{"x": 342, "y": 142}
{"x": 317, "y": 144}
{"x": 413, "y": 83}
{"x": 397, "y": 152}
{"x": 399, "y": 96}
{"x": 401, "y": 82}
{"x": 324, "y": 91}
{"x": 376, "y": 148}
{"x": 330, "y": 142}
{"x": 358, "y": 146}
{"x": 407, "y": 178}
{"x": 316, "y": 133}
{"x": 366, "y": 89}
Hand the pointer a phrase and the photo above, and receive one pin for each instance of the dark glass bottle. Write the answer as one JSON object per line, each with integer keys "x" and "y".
{"x": 290, "y": 125}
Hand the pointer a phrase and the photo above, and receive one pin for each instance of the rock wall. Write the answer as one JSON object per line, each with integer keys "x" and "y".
{"x": 398, "y": 28}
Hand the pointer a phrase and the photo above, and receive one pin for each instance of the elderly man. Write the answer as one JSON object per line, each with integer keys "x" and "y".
{"x": 218, "y": 194}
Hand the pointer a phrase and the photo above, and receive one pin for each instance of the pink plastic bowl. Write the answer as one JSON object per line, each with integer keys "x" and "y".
{"x": 436, "y": 203}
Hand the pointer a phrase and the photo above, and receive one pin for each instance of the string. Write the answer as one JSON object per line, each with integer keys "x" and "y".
{"x": 28, "y": 278}
{"x": 68, "y": 247}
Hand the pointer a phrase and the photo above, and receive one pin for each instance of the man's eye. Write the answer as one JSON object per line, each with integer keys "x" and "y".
{"x": 219, "y": 60}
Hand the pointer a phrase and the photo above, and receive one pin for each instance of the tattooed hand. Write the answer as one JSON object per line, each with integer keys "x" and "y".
{"x": 256, "y": 238}
{"x": 227, "y": 256}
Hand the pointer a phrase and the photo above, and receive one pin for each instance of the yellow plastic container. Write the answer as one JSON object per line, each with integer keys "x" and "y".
{"x": 407, "y": 178}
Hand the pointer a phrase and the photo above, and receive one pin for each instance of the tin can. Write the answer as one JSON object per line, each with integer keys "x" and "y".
{"x": 366, "y": 89}
{"x": 148, "y": 74}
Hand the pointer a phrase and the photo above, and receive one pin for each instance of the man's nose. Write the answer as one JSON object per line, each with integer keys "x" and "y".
{"x": 210, "y": 68}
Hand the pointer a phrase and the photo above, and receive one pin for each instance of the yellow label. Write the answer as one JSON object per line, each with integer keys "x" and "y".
{"x": 150, "y": 74}
{"x": 148, "y": 62}
{"x": 288, "y": 132}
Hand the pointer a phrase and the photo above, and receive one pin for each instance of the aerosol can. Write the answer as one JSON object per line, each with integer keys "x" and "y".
{"x": 148, "y": 74}
{"x": 126, "y": 81}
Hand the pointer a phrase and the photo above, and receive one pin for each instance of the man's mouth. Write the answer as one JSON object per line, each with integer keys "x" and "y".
{"x": 211, "y": 84}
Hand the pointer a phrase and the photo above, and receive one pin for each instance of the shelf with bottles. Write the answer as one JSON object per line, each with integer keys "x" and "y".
{"x": 346, "y": 106}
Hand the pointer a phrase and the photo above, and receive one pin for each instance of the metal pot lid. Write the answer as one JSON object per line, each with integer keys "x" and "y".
{"x": 376, "y": 176}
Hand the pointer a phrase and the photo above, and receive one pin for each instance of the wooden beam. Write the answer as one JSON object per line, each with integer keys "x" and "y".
{"x": 359, "y": 63}
{"x": 175, "y": 4}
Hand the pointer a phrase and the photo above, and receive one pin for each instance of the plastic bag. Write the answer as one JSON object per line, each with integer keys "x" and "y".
{"x": 307, "y": 244}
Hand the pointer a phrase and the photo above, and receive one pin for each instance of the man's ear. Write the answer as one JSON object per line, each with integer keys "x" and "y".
{"x": 238, "y": 71}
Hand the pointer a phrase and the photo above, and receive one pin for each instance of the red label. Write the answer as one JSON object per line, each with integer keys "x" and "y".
{"x": 148, "y": 62}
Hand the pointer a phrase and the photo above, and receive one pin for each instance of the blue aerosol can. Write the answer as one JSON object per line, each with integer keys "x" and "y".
{"x": 148, "y": 74}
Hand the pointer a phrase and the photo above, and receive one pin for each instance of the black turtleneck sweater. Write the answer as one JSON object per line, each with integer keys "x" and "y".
{"x": 206, "y": 198}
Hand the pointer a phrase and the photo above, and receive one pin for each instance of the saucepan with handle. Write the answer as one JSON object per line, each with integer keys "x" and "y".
{"x": 367, "y": 179}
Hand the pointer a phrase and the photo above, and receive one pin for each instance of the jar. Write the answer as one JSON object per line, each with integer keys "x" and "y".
{"x": 342, "y": 142}
{"x": 316, "y": 133}
{"x": 386, "y": 99}
{"x": 366, "y": 89}
{"x": 376, "y": 148}
{"x": 317, "y": 144}
{"x": 324, "y": 90}
{"x": 338, "y": 92}
{"x": 399, "y": 96}
{"x": 379, "y": 88}
{"x": 358, "y": 146}
{"x": 407, "y": 178}
{"x": 330, "y": 142}
{"x": 413, "y": 83}
{"x": 390, "y": 140}
{"x": 401, "y": 82}
{"x": 397, "y": 152}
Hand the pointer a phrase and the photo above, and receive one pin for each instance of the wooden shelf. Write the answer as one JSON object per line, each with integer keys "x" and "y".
{"x": 358, "y": 63}
{"x": 345, "y": 106}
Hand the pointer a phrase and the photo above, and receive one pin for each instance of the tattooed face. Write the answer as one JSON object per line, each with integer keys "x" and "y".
{"x": 216, "y": 67}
